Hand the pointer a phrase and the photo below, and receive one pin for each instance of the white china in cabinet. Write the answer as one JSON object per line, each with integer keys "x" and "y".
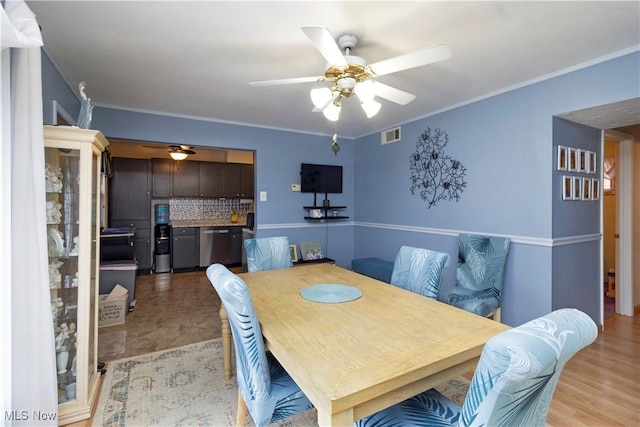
{"x": 72, "y": 182}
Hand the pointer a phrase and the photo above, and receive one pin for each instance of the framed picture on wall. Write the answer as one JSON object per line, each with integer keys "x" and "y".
{"x": 567, "y": 187}
{"x": 586, "y": 188}
{"x": 562, "y": 158}
{"x": 591, "y": 162}
{"x": 582, "y": 160}
{"x": 573, "y": 166}
{"x": 595, "y": 188}
{"x": 577, "y": 188}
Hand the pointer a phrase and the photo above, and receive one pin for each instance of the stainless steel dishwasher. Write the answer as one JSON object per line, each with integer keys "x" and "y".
{"x": 215, "y": 246}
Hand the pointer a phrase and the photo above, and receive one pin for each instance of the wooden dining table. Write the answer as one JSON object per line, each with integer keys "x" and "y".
{"x": 355, "y": 358}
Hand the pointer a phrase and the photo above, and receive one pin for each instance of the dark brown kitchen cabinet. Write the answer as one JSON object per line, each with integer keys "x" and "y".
{"x": 162, "y": 180}
{"x": 235, "y": 255}
{"x": 237, "y": 180}
{"x": 231, "y": 180}
{"x": 210, "y": 179}
{"x": 130, "y": 189}
{"x": 186, "y": 179}
{"x": 246, "y": 181}
{"x": 186, "y": 248}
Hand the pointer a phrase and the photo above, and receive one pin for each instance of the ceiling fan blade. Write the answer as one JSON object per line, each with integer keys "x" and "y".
{"x": 392, "y": 94}
{"x": 288, "y": 81}
{"x": 419, "y": 58}
{"x": 324, "y": 42}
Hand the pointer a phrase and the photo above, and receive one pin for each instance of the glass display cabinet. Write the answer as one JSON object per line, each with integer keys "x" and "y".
{"x": 73, "y": 159}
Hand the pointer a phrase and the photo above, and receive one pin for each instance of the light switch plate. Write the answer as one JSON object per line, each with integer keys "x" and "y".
{"x": 295, "y": 187}
{"x": 263, "y": 196}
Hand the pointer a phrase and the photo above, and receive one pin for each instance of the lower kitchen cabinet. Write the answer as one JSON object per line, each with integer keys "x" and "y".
{"x": 235, "y": 234}
{"x": 186, "y": 248}
{"x": 142, "y": 244}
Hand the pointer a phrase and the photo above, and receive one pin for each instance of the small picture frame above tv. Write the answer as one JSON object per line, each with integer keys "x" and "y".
{"x": 320, "y": 178}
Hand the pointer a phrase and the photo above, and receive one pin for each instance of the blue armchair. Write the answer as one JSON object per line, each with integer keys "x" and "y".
{"x": 513, "y": 383}
{"x": 264, "y": 387}
{"x": 268, "y": 253}
{"x": 419, "y": 270}
{"x": 479, "y": 275}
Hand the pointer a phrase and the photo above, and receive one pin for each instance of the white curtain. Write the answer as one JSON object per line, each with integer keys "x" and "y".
{"x": 28, "y": 366}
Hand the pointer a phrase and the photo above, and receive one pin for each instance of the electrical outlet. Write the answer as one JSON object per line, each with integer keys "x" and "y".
{"x": 295, "y": 187}
{"x": 263, "y": 196}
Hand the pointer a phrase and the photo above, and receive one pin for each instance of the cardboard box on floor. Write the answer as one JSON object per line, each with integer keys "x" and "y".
{"x": 112, "y": 307}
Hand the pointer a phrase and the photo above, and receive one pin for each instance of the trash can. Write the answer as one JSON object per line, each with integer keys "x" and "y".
{"x": 122, "y": 273}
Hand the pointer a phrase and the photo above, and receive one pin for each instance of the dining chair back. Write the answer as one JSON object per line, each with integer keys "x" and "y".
{"x": 513, "y": 383}
{"x": 479, "y": 275}
{"x": 419, "y": 270}
{"x": 268, "y": 253}
{"x": 264, "y": 387}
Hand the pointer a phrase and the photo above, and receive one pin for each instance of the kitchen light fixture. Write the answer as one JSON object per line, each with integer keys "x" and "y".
{"x": 180, "y": 152}
{"x": 178, "y": 155}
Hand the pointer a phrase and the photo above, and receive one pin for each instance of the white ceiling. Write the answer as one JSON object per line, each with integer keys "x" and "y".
{"x": 196, "y": 59}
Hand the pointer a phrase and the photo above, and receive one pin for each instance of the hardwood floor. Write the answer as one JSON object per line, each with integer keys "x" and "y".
{"x": 599, "y": 387}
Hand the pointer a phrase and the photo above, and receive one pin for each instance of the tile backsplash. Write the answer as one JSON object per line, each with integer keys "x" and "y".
{"x": 209, "y": 209}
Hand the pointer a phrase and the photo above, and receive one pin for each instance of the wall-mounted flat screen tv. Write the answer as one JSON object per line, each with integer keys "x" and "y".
{"x": 320, "y": 178}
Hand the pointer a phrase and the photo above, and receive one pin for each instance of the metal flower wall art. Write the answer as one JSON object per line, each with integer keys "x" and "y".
{"x": 435, "y": 176}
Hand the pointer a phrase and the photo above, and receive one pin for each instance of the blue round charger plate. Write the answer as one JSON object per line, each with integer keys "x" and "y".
{"x": 330, "y": 293}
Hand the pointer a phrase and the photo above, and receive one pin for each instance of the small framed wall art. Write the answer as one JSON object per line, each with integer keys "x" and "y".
{"x": 577, "y": 188}
{"x": 294, "y": 253}
{"x": 582, "y": 160}
{"x": 573, "y": 159}
{"x": 567, "y": 187}
{"x": 562, "y": 158}
{"x": 586, "y": 188}
{"x": 591, "y": 162}
{"x": 595, "y": 188}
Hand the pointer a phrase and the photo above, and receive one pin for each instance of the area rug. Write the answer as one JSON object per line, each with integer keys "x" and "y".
{"x": 185, "y": 386}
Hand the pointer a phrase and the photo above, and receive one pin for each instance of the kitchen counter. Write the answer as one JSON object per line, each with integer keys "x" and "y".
{"x": 205, "y": 223}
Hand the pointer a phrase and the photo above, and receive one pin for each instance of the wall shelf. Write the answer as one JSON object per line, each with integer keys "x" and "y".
{"x": 327, "y": 212}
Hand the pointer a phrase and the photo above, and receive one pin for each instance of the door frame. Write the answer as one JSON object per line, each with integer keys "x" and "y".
{"x": 624, "y": 221}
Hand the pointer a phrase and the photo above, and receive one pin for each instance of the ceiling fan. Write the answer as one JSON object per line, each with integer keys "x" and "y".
{"x": 350, "y": 74}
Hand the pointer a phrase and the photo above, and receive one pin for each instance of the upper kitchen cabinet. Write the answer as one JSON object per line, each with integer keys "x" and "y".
{"x": 162, "y": 179}
{"x": 210, "y": 177}
{"x": 237, "y": 180}
{"x": 186, "y": 179}
{"x": 246, "y": 181}
{"x": 130, "y": 189}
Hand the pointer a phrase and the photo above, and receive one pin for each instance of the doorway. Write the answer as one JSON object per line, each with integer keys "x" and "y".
{"x": 609, "y": 226}
{"x": 625, "y": 229}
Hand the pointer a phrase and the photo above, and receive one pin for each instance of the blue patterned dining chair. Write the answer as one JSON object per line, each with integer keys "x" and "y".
{"x": 268, "y": 253}
{"x": 479, "y": 275}
{"x": 419, "y": 270}
{"x": 264, "y": 387}
{"x": 513, "y": 382}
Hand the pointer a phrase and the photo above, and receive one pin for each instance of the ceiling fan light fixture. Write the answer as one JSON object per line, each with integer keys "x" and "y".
{"x": 365, "y": 90}
{"x": 332, "y": 111}
{"x": 321, "y": 97}
{"x": 176, "y": 155}
{"x": 370, "y": 107}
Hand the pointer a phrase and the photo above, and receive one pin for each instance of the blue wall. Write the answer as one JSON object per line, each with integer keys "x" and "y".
{"x": 505, "y": 142}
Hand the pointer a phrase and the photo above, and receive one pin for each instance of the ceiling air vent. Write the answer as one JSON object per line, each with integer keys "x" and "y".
{"x": 389, "y": 136}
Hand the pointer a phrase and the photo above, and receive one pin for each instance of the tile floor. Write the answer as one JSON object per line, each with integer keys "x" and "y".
{"x": 171, "y": 310}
